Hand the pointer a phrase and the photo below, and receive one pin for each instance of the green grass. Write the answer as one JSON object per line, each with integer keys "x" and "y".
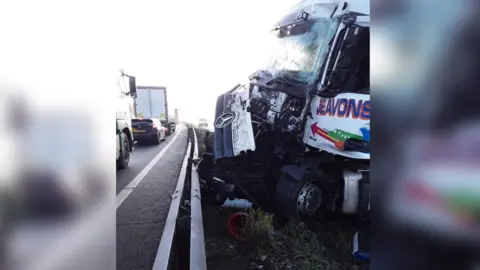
{"x": 325, "y": 245}
{"x": 294, "y": 246}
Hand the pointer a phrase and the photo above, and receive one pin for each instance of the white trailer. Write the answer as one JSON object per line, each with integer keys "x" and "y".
{"x": 151, "y": 102}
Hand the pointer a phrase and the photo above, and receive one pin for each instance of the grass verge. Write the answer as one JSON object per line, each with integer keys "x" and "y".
{"x": 324, "y": 245}
{"x": 268, "y": 246}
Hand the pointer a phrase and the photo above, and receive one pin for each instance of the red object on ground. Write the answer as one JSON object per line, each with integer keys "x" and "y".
{"x": 236, "y": 225}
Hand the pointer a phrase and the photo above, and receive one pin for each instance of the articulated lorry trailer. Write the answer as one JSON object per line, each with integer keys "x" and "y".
{"x": 151, "y": 102}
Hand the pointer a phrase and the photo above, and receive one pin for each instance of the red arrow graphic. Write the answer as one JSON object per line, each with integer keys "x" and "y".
{"x": 322, "y": 133}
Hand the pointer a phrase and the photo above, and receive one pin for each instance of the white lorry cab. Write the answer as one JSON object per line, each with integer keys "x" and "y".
{"x": 127, "y": 91}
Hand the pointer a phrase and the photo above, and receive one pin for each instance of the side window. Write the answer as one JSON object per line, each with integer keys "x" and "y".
{"x": 350, "y": 72}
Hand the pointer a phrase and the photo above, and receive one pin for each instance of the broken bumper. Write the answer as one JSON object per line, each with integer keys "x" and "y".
{"x": 233, "y": 126}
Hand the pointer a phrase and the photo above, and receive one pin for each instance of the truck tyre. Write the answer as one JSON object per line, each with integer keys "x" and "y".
{"x": 124, "y": 158}
{"x": 296, "y": 199}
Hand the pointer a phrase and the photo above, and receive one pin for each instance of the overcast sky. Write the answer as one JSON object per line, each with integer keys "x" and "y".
{"x": 197, "y": 49}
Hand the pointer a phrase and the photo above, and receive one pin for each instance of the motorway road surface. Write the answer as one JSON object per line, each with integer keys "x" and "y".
{"x": 141, "y": 216}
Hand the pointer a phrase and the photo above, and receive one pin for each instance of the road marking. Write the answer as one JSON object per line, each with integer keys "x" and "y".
{"x": 127, "y": 190}
{"x": 166, "y": 241}
{"x": 195, "y": 150}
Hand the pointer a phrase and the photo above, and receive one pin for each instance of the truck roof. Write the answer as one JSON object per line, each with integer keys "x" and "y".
{"x": 324, "y": 8}
{"x": 152, "y": 87}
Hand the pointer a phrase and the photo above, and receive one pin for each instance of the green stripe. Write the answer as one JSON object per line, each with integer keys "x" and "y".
{"x": 342, "y": 135}
{"x": 464, "y": 200}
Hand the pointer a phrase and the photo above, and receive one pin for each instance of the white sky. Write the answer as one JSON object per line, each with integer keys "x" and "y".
{"x": 207, "y": 50}
{"x": 197, "y": 49}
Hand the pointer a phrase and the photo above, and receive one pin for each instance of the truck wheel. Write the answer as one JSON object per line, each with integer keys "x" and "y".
{"x": 296, "y": 200}
{"x": 124, "y": 158}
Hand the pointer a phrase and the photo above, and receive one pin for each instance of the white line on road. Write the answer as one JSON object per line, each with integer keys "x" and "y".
{"x": 126, "y": 191}
{"x": 195, "y": 150}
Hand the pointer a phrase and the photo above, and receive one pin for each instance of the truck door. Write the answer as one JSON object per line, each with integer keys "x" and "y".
{"x": 157, "y": 98}
{"x": 142, "y": 103}
{"x": 351, "y": 70}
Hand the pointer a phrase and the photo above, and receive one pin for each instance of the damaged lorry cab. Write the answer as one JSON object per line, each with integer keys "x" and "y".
{"x": 294, "y": 139}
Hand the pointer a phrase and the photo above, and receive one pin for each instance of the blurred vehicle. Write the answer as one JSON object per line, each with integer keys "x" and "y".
{"x": 124, "y": 111}
{"x": 295, "y": 138}
{"x": 176, "y": 119}
{"x": 166, "y": 126}
{"x": 427, "y": 189}
{"x": 7, "y": 217}
{"x": 148, "y": 130}
{"x": 203, "y": 123}
{"x": 60, "y": 174}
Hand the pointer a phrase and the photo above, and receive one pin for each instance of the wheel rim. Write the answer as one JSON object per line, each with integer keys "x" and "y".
{"x": 309, "y": 199}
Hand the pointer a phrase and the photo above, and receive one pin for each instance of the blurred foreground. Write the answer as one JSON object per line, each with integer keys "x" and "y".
{"x": 426, "y": 192}
{"x": 56, "y": 192}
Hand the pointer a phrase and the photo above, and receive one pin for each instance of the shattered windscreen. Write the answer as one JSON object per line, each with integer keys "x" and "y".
{"x": 301, "y": 53}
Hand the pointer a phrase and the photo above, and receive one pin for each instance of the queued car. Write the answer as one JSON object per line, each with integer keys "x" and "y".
{"x": 203, "y": 123}
{"x": 148, "y": 130}
{"x": 166, "y": 125}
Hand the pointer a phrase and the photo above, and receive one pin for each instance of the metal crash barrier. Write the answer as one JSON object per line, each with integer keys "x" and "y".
{"x": 183, "y": 245}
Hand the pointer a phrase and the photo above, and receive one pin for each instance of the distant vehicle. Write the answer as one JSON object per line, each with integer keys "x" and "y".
{"x": 151, "y": 102}
{"x": 175, "y": 117}
{"x": 145, "y": 130}
{"x": 173, "y": 126}
{"x": 203, "y": 123}
{"x": 166, "y": 125}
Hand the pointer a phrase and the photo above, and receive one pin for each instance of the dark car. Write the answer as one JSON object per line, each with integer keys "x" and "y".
{"x": 148, "y": 130}
{"x": 167, "y": 127}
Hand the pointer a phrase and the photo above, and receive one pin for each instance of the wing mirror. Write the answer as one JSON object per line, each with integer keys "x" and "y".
{"x": 133, "y": 86}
